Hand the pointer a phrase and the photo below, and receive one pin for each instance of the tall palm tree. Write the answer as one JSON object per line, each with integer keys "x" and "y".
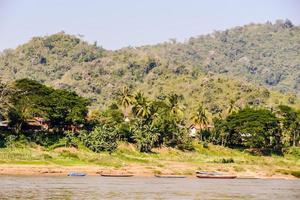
{"x": 174, "y": 106}
{"x": 200, "y": 117}
{"x": 125, "y": 99}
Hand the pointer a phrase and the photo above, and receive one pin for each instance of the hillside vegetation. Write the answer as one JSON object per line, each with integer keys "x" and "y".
{"x": 257, "y": 64}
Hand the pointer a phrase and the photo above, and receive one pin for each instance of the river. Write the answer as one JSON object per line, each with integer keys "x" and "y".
{"x": 94, "y": 187}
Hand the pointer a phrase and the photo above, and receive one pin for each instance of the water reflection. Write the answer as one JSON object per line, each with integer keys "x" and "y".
{"x": 94, "y": 187}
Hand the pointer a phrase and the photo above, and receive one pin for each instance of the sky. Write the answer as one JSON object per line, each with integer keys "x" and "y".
{"x": 120, "y": 23}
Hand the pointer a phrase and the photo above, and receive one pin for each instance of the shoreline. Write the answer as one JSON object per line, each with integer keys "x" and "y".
{"x": 137, "y": 171}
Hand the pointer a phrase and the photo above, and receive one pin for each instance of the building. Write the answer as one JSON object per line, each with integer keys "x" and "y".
{"x": 37, "y": 123}
{"x": 4, "y": 125}
{"x": 195, "y": 128}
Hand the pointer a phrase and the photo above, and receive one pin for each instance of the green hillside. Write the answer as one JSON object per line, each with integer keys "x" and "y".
{"x": 257, "y": 64}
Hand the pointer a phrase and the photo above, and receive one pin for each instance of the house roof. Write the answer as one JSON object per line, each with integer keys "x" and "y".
{"x": 198, "y": 127}
{"x": 4, "y": 123}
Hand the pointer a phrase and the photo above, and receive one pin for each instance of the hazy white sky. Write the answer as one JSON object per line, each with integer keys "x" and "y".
{"x": 119, "y": 23}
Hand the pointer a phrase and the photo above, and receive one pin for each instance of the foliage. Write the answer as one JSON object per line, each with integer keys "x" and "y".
{"x": 254, "y": 128}
{"x": 145, "y": 135}
{"x": 102, "y": 138}
{"x": 60, "y": 107}
{"x": 6, "y": 91}
{"x": 291, "y": 125}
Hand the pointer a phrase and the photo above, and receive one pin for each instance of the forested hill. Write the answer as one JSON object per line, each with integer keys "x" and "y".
{"x": 217, "y": 69}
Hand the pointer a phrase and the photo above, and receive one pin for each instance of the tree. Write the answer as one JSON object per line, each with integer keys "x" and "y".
{"x": 200, "y": 118}
{"x": 63, "y": 109}
{"x": 20, "y": 113}
{"x": 6, "y": 92}
{"x": 145, "y": 135}
{"x": 141, "y": 106}
{"x": 290, "y": 120}
{"x": 25, "y": 102}
{"x": 170, "y": 122}
{"x": 125, "y": 99}
{"x": 219, "y": 135}
{"x": 102, "y": 138}
{"x": 254, "y": 128}
{"x": 174, "y": 108}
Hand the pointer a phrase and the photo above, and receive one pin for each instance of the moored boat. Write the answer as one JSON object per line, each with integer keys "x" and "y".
{"x": 117, "y": 175}
{"x": 214, "y": 175}
{"x": 76, "y": 174}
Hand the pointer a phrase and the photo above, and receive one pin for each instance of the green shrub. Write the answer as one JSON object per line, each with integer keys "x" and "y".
{"x": 102, "y": 138}
{"x": 296, "y": 174}
{"x": 295, "y": 151}
{"x": 224, "y": 160}
{"x": 145, "y": 136}
{"x": 68, "y": 154}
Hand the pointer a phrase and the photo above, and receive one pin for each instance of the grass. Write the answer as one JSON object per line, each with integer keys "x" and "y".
{"x": 211, "y": 158}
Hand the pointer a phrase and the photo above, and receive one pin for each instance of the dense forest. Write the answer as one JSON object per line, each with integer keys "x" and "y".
{"x": 240, "y": 86}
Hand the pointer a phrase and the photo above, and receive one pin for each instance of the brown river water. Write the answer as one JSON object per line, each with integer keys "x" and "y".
{"x": 96, "y": 187}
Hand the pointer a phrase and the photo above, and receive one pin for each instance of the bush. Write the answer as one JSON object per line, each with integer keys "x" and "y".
{"x": 102, "y": 138}
{"x": 296, "y": 174}
{"x": 224, "y": 160}
{"x": 295, "y": 151}
{"x": 145, "y": 136}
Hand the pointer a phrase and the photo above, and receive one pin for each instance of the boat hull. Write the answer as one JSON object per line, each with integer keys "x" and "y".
{"x": 216, "y": 176}
{"x": 116, "y": 175}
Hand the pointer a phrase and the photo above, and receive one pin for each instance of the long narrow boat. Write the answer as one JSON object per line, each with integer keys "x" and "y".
{"x": 117, "y": 175}
{"x": 169, "y": 176}
{"x": 76, "y": 174}
{"x": 214, "y": 175}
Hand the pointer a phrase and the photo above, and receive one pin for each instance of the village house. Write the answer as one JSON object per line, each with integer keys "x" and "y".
{"x": 37, "y": 123}
{"x": 195, "y": 128}
{"x": 4, "y": 125}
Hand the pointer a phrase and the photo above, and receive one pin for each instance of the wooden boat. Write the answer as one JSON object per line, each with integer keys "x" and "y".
{"x": 214, "y": 175}
{"x": 169, "y": 176}
{"x": 76, "y": 174}
{"x": 117, "y": 175}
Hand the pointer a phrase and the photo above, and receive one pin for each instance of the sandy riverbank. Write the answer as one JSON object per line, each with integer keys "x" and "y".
{"x": 139, "y": 171}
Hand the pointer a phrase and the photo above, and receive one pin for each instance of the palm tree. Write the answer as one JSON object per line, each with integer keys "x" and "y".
{"x": 232, "y": 107}
{"x": 200, "y": 118}
{"x": 174, "y": 107}
{"x": 141, "y": 106}
{"x": 125, "y": 99}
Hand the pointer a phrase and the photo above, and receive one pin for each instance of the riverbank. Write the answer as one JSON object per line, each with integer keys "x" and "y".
{"x": 35, "y": 160}
{"x": 137, "y": 171}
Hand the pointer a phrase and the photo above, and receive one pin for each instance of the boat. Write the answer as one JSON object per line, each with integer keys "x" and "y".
{"x": 76, "y": 174}
{"x": 117, "y": 175}
{"x": 214, "y": 175}
{"x": 169, "y": 176}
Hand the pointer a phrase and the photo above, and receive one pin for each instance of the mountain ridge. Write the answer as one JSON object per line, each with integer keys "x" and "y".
{"x": 256, "y": 64}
